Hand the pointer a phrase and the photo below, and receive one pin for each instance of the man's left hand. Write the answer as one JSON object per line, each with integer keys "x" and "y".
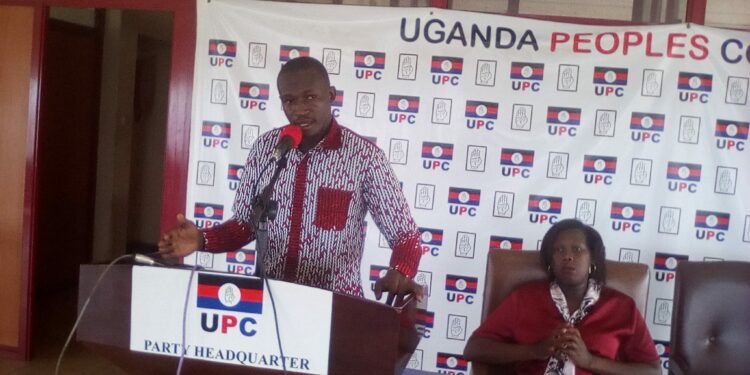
{"x": 398, "y": 287}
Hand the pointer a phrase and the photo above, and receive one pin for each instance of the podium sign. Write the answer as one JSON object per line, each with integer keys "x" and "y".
{"x": 230, "y": 319}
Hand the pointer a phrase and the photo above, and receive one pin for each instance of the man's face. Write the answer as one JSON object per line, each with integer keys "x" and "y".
{"x": 306, "y": 100}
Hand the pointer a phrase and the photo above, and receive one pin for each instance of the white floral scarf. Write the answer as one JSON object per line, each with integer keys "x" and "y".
{"x": 563, "y": 366}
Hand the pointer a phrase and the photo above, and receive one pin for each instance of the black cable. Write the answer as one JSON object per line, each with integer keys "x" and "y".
{"x": 276, "y": 322}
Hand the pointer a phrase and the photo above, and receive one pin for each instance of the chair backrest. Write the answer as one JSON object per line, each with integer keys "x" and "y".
{"x": 508, "y": 269}
{"x": 711, "y": 318}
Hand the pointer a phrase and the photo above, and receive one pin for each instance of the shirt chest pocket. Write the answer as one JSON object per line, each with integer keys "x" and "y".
{"x": 332, "y": 208}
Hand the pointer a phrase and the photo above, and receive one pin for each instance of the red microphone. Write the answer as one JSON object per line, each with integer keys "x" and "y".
{"x": 289, "y": 138}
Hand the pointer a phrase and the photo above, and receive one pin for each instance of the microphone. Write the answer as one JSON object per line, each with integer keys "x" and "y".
{"x": 148, "y": 260}
{"x": 145, "y": 260}
{"x": 289, "y": 138}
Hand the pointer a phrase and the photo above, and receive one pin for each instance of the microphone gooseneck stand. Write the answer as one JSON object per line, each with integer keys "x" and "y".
{"x": 264, "y": 209}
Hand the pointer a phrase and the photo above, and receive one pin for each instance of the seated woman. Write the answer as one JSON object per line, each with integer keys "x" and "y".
{"x": 571, "y": 323}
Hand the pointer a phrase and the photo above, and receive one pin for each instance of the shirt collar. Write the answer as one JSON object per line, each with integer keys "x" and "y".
{"x": 332, "y": 140}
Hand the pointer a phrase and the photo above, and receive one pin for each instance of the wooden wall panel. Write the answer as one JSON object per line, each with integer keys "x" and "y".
{"x": 16, "y": 33}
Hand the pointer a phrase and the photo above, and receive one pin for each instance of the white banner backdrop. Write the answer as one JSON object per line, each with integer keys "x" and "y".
{"x": 497, "y": 126}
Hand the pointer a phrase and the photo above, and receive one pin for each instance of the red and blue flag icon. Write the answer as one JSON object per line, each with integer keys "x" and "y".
{"x": 430, "y": 236}
{"x": 465, "y": 196}
{"x": 216, "y": 129}
{"x": 694, "y": 81}
{"x": 480, "y": 109}
{"x": 402, "y": 103}
{"x": 599, "y": 164}
{"x": 447, "y": 65}
{"x": 241, "y": 256}
{"x": 230, "y": 293}
{"x": 528, "y": 71}
{"x": 452, "y": 362}
{"x": 369, "y": 60}
{"x": 610, "y": 76}
{"x": 516, "y": 157}
{"x": 209, "y": 211}
{"x": 731, "y": 129}
{"x": 376, "y": 272}
{"x": 462, "y": 284}
{"x": 425, "y": 318}
{"x": 234, "y": 173}
{"x": 339, "y": 100}
{"x": 508, "y": 243}
{"x": 287, "y": 53}
{"x": 544, "y": 203}
{"x": 627, "y": 211}
{"x": 668, "y": 262}
{"x": 711, "y": 220}
{"x": 653, "y": 122}
{"x": 225, "y": 48}
{"x": 563, "y": 115}
{"x": 434, "y": 150}
{"x": 251, "y": 90}
{"x": 683, "y": 171}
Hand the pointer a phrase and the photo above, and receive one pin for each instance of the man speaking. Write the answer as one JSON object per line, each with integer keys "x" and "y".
{"x": 329, "y": 184}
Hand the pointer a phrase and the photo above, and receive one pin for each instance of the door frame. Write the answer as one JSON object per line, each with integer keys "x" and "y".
{"x": 177, "y": 140}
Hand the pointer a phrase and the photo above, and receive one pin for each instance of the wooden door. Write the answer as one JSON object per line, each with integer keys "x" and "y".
{"x": 16, "y": 75}
{"x": 66, "y": 166}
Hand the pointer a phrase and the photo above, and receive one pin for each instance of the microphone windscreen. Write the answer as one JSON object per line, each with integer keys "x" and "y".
{"x": 292, "y": 131}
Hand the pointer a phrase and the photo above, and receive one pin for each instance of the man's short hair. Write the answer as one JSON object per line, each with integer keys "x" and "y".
{"x": 305, "y": 63}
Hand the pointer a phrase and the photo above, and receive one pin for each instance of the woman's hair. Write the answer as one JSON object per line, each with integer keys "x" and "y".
{"x": 593, "y": 242}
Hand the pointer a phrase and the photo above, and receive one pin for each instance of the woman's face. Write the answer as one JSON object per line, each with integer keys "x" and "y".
{"x": 571, "y": 258}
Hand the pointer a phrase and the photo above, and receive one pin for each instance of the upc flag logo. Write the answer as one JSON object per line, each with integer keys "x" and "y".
{"x": 440, "y": 151}
{"x": 464, "y": 196}
{"x": 627, "y": 216}
{"x": 446, "y": 65}
{"x": 547, "y": 204}
{"x": 218, "y": 47}
{"x": 453, "y": 362}
{"x": 695, "y": 81}
{"x": 251, "y": 90}
{"x": 369, "y": 60}
{"x": 377, "y": 272}
{"x": 462, "y": 284}
{"x": 506, "y": 243}
{"x": 216, "y": 129}
{"x": 711, "y": 220}
{"x": 401, "y": 103}
{"x": 599, "y": 164}
{"x": 694, "y": 86}
{"x": 683, "y": 171}
{"x": 230, "y": 293}
{"x": 610, "y": 76}
{"x": 479, "y": 109}
{"x": 287, "y": 53}
{"x": 221, "y": 52}
{"x": 431, "y": 236}
{"x": 241, "y": 257}
{"x": 628, "y": 211}
{"x": 529, "y": 71}
{"x": 209, "y": 211}
{"x": 606, "y": 79}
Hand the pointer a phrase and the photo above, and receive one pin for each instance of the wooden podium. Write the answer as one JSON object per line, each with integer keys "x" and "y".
{"x": 367, "y": 337}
